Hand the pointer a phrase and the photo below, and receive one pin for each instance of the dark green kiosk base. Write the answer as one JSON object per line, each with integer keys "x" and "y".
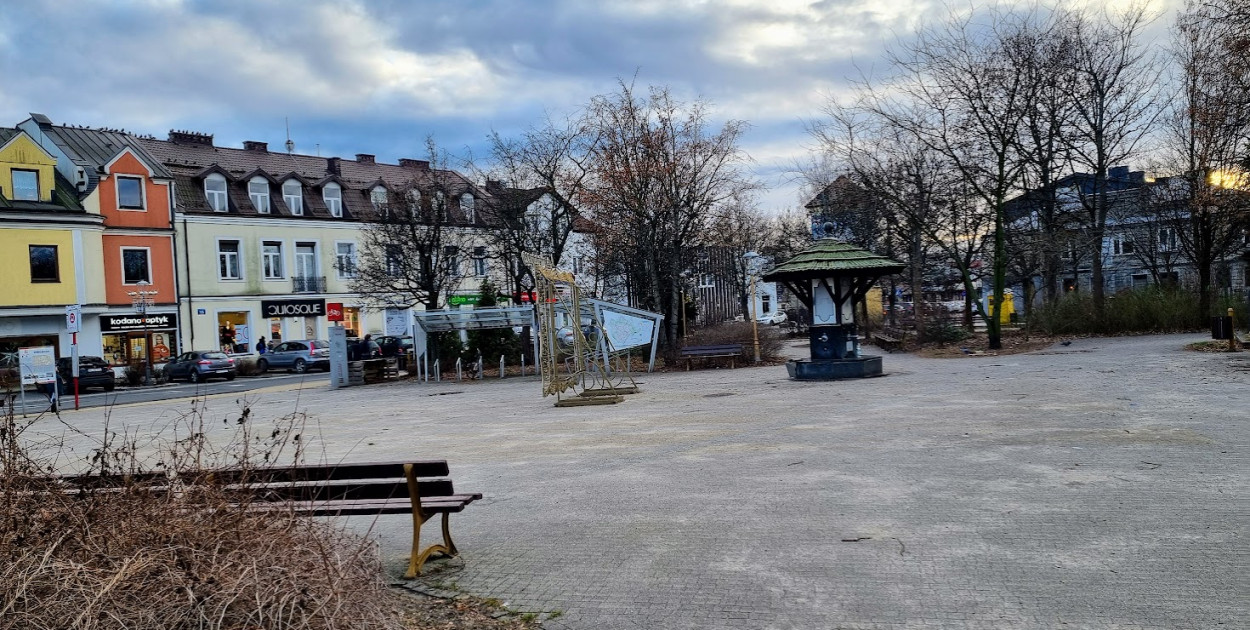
{"x": 833, "y": 369}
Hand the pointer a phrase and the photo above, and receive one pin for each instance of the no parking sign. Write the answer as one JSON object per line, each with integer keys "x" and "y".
{"x": 73, "y": 318}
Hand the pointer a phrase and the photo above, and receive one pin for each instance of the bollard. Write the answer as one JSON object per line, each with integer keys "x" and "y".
{"x": 438, "y": 371}
{"x": 501, "y": 366}
{"x": 480, "y": 366}
{"x": 459, "y": 370}
{"x": 522, "y": 365}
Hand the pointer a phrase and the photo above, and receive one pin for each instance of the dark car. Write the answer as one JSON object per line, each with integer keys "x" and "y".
{"x": 92, "y": 372}
{"x": 297, "y": 356}
{"x": 393, "y": 346}
{"x": 201, "y": 365}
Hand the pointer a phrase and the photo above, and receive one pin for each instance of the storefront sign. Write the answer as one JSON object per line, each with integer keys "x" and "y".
{"x": 293, "y": 308}
{"x": 460, "y": 300}
{"x": 154, "y": 321}
{"x": 334, "y": 311}
{"x": 38, "y": 365}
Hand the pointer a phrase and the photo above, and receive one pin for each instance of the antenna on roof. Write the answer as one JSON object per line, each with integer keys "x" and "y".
{"x": 290, "y": 145}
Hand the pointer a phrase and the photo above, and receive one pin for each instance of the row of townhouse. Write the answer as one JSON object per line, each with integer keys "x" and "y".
{"x": 232, "y": 244}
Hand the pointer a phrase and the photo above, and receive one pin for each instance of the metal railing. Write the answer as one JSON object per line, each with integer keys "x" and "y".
{"x": 308, "y": 284}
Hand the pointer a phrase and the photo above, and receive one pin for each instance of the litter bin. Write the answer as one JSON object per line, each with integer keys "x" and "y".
{"x": 1222, "y": 327}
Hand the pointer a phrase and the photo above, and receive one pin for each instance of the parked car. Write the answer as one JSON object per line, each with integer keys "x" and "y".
{"x": 393, "y": 346}
{"x": 776, "y": 317}
{"x": 297, "y": 356}
{"x": 201, "y": 365}
{"x": 92, "y": 372}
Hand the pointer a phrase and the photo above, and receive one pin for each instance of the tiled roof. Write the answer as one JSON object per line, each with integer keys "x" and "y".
{"x": 93, "y": 148}
{"x": 6, "y": 134}
{"x": 828, "y": 257}
{"x": 188, "y": 160}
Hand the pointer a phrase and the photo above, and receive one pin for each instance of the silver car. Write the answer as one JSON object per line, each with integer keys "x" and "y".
{"x": 297, "y": 356}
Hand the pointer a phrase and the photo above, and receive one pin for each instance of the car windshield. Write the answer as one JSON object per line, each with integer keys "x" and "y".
{"x": 92, "y": 361}
{"x": 214, "y": 355}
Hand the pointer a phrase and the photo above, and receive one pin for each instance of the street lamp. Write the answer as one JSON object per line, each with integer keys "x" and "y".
{"x": 751, "y": 258}
{"x": 141, "y": 300}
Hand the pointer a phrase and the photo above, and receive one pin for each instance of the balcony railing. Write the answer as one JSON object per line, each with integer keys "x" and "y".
{"x": 309, "y": 284}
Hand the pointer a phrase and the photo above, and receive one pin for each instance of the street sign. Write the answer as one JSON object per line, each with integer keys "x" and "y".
{"x": 334, "y": 311}
{"x": 38, "y": 364}
{"x": 73, "y": 318}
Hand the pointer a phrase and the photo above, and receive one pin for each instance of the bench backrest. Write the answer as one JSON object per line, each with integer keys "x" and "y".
{"x": 722, "y": 348}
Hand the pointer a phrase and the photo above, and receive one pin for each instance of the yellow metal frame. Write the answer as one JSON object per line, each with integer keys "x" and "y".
{"x": 417, "y": 560}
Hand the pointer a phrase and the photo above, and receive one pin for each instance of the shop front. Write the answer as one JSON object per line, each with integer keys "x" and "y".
{"x": 234, "y": 332}
{"x": 293, "y": 319}
{"x": 127, "y": 338}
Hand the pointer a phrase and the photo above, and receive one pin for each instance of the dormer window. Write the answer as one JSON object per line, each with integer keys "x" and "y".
{"x": 378, "y": 197}
{"x": 129, "y": 193}
{"x": 293, "y": 195}
{"x": 258, "y": 191}
{"x": 25, "y": 185}
{"x": 333, "y": 196}
{"x": 215, "y": 191}
{"x": 466, "y": 205}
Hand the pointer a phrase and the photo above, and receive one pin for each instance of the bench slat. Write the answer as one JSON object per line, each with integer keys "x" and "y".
{"x": 328, "y": 472}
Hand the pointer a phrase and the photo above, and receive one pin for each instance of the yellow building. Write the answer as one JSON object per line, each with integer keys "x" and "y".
{"x": 47, "y": 240}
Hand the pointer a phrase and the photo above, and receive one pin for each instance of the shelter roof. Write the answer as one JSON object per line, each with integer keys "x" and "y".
{"x": 829, "y": 257}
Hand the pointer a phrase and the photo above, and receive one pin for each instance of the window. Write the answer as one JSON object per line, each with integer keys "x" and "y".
{"x": 271, "y": 259}
{"x": 345, "y": 259}
{"x": 215, "y": 190}
{"x": 479, "y": 261}
{"x": 44, "y": 266}
{"x": 1167, "y": 239}
{"x": 130, "y": 193}
{"x": 378, "y": 197}
{"x": 1122, "y": 244}
{"x": 258, "y": 190}
{"x": 766, "y": 304}
{"x": 451, "y": 255}
{"x": 333, "y": 196}
{"x": 466, "y": 204}
{"x": 135, "y": 266}
{"x": 25, "y": 185}
{"x": 228, "y": 260}
{"x": 394, "y": 261}
{"x": 293, "y": 195}
{"x": 440, "y": 205}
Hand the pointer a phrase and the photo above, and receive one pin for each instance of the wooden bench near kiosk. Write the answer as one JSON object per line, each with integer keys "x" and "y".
{"x": 889, "y": 338}
{"x": 731, "y": 351}
{"x": 418, "y": 487}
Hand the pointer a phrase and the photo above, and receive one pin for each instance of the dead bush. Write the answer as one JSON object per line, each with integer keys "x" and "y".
{"x": 168, "y": 554}
{"x": 772, "y": 341}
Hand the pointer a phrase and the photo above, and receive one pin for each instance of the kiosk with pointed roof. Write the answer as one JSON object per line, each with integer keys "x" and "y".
{"x": 831, "y": 278}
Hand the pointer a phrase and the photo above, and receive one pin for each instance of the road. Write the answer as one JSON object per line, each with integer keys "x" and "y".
{"x": 38, "y": 403}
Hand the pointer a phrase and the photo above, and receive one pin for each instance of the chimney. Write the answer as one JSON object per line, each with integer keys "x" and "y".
{"x": 191, "y": 137}
{"x": 1117, "y": 172}
{"x": 332, "y": 166}
{"x": 364, "y": 158}
{"x": 252, "y": 145}
{"x": 420, "y": 165}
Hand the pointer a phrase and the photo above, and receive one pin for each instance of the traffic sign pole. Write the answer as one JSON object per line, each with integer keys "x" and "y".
{"x": 73, "y": 353}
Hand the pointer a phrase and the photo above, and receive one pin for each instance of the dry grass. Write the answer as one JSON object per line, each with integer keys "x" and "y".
{"x": 173, "y": 555}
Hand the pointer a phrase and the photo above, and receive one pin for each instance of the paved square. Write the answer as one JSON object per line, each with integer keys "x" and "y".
{"x": 1098, "y": 485}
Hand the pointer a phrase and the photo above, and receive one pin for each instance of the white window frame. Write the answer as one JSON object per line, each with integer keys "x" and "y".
{"x": 379, "y": 197}
{"x": 238, "y": 259}
{"x": 147, "y": 252}
{"x": 1119, "y": 241}
{"x": 469, "y": 209}
{"x": 316, "y": 258}
{"x": 280, "y": 258}
{"x": 1167, "y": 244}
{"x": 294, "y": 202}
{"x": 223, "y": 195}
{"x": 335, "y": 208}
{"x": 338, "y": 260}
{"x": 256, "y": 197}
{"x": 117, "y": 193}
{"x": 13, "y": 177}
{"x": 451, "y": 258}
{"x": 480, "y": 266}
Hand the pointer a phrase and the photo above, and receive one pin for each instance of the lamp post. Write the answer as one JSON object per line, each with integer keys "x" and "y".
{"x": 141, "y": 300}
{"x": 751, "y": 257}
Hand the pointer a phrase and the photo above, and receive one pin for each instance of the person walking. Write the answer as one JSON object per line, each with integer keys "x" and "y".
{"x": 261, "y": 347}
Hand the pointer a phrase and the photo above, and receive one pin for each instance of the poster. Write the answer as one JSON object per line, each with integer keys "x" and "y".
{"x": 38, "y": 365}
{"x": 396, "y": 322}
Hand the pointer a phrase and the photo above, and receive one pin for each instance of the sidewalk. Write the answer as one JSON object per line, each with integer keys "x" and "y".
{"x": 1098, "y": 485}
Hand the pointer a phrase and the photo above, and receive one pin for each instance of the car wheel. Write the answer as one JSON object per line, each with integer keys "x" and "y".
{"x": 262, "y": 366}
{"x": 300, "y": 366}
{"x": 110, "y": 387}
{"x": 229, "y": 377}
{"x": 194, "y": 376}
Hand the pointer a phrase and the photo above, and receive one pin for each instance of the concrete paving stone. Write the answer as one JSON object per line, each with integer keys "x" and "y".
{"x": 1098, "y": 485}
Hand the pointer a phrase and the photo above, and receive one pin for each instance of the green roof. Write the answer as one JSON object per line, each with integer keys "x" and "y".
{"x": 829, "y": 257}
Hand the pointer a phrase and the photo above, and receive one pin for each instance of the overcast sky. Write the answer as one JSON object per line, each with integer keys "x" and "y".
{"x": 379, "y": 76}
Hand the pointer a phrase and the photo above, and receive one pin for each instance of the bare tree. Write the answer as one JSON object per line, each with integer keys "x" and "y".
{"x": 659, "y": 175}
{"x": 1116, "y": 105}
{"x": 412, "y": 244}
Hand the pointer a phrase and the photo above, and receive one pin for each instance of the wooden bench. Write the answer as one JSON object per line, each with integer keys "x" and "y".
{"x": 889, "y": 338}
{"x": 728, "y": 350}
{"x": 420, "y": 488}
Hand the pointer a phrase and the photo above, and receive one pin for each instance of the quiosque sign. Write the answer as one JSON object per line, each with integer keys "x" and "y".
{"x": 293, "y": 308}
{"x": 154, "y": 321}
